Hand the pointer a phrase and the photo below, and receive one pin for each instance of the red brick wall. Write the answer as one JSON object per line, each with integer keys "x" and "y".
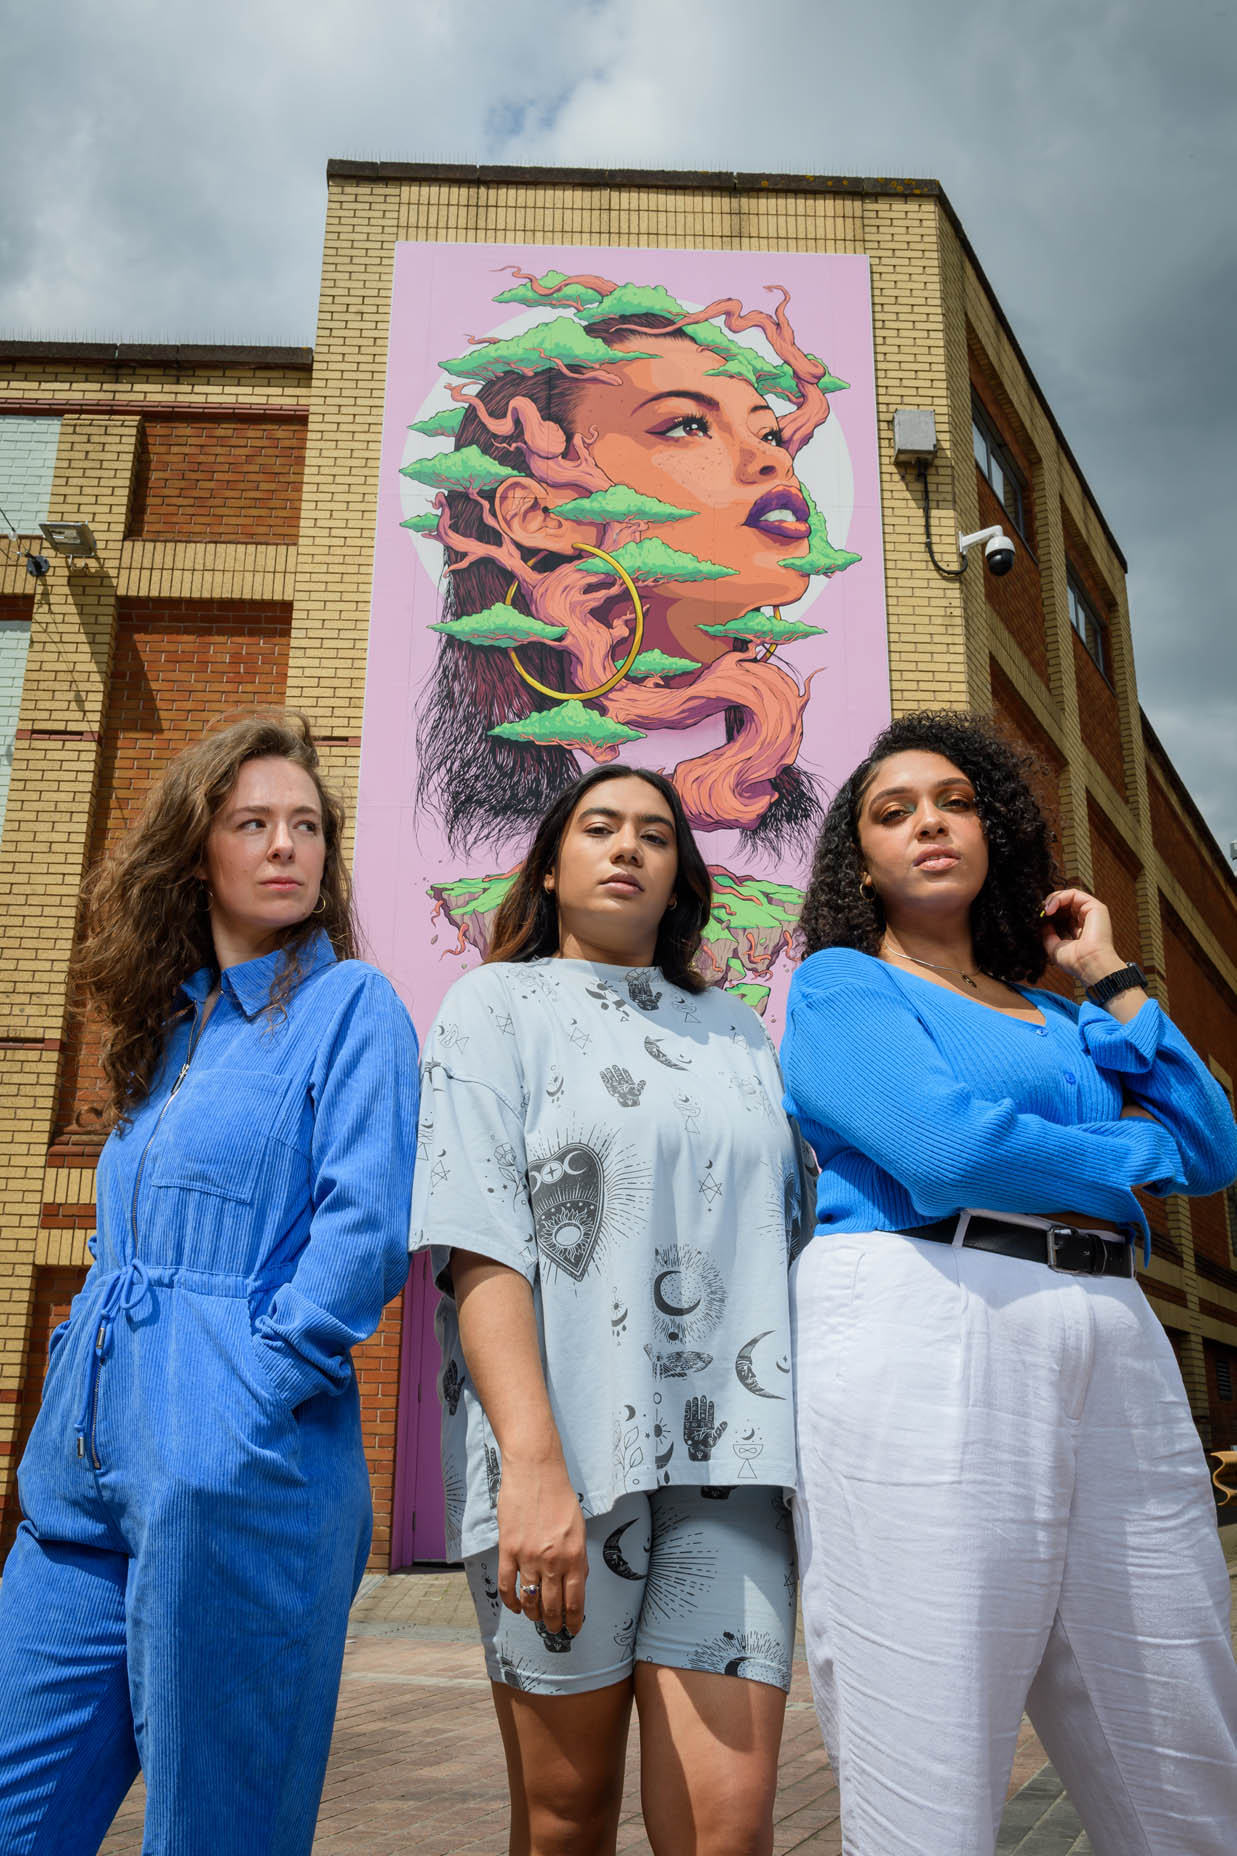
{"x": 377, "y": 1369}
{"x": 179, "y": 664}
{"x": 1019, "y": 724}
{"x": 1205, "y": 1010}
{"x": 1114, "y": 880}
{"x": 1017, "y": 597}
{"x": 1097, "y": 711}
{"x": 54, "y": 1289}
{"x": 211, "y": 479}
{"x": 1212, "y": 895}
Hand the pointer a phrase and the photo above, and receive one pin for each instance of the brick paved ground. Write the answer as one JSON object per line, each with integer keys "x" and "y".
{"x": 416, "y": 1766}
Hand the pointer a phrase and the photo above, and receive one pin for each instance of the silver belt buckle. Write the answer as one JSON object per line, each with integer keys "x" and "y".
{"x": 1056, "y": 1234}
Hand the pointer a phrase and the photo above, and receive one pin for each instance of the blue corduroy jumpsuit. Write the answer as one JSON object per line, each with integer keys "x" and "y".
{"x": 196, "y": 1502}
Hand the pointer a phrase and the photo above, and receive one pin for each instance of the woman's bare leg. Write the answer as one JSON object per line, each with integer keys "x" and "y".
{"x": 708, "y": 1758}
{"x": 566, "y": 1756}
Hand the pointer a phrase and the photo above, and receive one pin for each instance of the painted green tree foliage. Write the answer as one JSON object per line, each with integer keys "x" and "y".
{"x": 562, "y": 342}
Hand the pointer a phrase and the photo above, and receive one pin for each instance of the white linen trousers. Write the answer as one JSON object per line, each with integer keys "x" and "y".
{"x": 1003, "y": 1504}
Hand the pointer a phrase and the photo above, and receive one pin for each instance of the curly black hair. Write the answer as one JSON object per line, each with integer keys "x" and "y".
{"x": 1021, "y": 865}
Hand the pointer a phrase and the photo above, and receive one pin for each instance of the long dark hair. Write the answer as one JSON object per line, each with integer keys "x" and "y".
{"x": 526, "y": 926}
{"x": 1021, "y": 865}
{"x": 147, "y": 923}
{"x": 481, "y": 787}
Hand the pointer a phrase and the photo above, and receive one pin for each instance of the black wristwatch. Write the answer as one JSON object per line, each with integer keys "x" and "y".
{"x": 1123, "y": 980}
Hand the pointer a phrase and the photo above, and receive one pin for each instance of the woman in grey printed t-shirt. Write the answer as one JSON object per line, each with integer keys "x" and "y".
{"x": 611, "y": 1189}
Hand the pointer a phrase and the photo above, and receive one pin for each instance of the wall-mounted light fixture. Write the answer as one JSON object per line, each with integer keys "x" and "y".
{"x": 72, "y": 538}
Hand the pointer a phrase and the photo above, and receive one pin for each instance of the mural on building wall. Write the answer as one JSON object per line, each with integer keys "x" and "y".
{"x": 628, "y": 509}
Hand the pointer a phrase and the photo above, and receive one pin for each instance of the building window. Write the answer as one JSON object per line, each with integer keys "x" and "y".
{"x": 1224, "y": 1377}
{"x": 1230, "y": 1212}
{"x": 1007, "y": 481}
{"x": 1087, "y": 622}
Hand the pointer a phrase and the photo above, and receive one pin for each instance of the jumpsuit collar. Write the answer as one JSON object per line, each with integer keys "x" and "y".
{"x": 249, "y": 984}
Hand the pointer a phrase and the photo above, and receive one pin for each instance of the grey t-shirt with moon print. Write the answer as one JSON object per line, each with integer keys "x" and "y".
{"x": 622, "y": 1144}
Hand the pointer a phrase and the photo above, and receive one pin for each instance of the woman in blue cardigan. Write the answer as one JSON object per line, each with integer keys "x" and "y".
{"x": 195, "y": 1497}
{"x": 1002, "y": 1501}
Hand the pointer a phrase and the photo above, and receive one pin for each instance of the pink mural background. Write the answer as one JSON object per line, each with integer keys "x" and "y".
{"x": 443, "y": 294}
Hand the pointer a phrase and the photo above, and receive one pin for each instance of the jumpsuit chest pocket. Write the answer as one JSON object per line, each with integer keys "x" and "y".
{"x": 215, "y": 1135}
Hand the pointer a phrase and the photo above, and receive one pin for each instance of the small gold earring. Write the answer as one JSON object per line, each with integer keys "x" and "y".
{"x": 320, "y": 907}
{"x": 867, "y": 888}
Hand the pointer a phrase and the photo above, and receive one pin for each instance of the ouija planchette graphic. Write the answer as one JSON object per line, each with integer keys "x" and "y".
{"x": 568, "y": 1194}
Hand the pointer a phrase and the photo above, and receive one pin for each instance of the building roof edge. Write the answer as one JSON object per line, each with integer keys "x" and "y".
{"x": 160, "y": 354}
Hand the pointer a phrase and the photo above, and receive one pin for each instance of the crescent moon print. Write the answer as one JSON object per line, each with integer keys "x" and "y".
{"x": 586, "y": 1191}
{"x": 612, "y": 1554}
{"x": 654, "y": 1049}
{"x": 754, "y": 1654}
{"x": 689, "y": 1294}
{"x": 745, "y": 1367}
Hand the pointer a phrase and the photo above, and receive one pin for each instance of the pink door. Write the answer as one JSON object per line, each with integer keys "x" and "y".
{"x": 418, "y": 1521}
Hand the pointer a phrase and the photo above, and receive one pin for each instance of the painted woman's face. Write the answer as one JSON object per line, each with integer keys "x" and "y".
{"x": 707, "y": 443}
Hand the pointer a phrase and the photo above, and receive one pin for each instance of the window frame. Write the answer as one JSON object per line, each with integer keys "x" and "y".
{"x": 1079, "y": 602}
{"x": 1224, "y": 1366}
{"x": 983, "y": 427}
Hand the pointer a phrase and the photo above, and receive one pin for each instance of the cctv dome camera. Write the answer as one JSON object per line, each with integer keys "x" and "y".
{"x": 998, "y": 548}
{"x": 999, "y": 554}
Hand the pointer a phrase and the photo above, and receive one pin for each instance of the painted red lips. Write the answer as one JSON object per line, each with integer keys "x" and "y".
{"x": 781, "y": 514}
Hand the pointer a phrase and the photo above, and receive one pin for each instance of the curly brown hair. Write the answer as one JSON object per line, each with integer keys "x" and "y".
{"x": 147, "y": 927}
{"x": 1021, "y": 864}
{"x": 526, "y": 926}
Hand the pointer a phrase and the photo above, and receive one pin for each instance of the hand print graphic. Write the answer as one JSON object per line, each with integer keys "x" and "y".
{"x": 700, "y": 1433}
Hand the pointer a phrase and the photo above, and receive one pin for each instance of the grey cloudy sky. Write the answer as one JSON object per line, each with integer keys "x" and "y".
{"x": 164, "y": 180}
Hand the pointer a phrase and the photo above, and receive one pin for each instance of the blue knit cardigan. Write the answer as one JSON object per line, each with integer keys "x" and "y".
{"x": 920, "y": 1102}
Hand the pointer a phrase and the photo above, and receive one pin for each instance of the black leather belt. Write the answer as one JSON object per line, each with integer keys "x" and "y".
{"x": 1060, "y": 1246}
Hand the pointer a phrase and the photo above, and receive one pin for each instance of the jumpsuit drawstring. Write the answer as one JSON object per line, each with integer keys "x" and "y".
{"x": 124, "y": 1292}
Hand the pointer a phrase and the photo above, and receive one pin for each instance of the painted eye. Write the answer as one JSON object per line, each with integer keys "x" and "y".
{"x": 691, "y": 422}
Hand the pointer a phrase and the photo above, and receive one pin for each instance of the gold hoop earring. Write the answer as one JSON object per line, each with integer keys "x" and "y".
{"x": 867, "y": 889}
{"x": 320, "y": 907}
{"x": 637, "y": 637}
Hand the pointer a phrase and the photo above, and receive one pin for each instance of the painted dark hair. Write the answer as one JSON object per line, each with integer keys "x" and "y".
{"x": 1021, "y": 865}
{"x": 483, "y": 788}
{"x": 526, "y": 927}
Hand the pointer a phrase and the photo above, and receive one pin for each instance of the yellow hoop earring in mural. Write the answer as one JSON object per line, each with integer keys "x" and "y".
{"x": 637, "y": 637}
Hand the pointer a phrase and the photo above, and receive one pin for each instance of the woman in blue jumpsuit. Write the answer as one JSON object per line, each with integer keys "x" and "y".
{"x": 195, "y": 1496}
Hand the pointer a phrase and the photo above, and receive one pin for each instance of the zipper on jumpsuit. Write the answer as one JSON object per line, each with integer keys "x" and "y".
{"x": 101, "y": 1335}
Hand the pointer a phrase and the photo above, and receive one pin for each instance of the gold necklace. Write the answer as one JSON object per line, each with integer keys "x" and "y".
{"x": 968, "y": 979}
